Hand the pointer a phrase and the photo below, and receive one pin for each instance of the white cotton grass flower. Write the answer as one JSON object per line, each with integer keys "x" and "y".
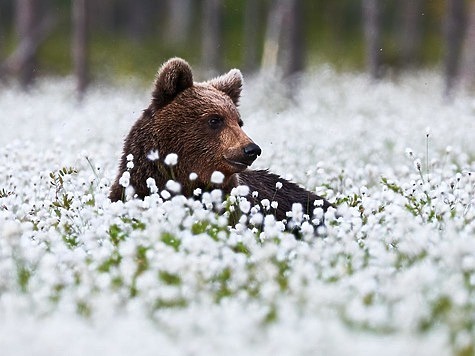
{"x": 256, "y": 219}
{"x": 193, "y": 176}
{"x": 173, "y": 186}
{"x": 153, "y": 155}
{"x": 216, "y": 196}
{"x": 244, "y": 205}
{"x": 265, "y": 204}
{"x": 165, "y": 194}
{"x": 130, "y": 157}
{"x": 240, "y": 191}
{"x": 124, "y": 179}
{"x": 217, "y": 177}
{"x": 417, "y": 164}
{"x": 171, "y": 159}
{"x": 130, "y": 165}
{"x": 151, "y": 185}
{"x": 278, "y": 185}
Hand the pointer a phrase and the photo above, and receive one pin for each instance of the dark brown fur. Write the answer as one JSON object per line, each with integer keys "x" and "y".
{"x": 179, "y": 120}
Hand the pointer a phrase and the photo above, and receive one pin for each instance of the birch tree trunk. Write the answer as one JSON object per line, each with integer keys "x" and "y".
{"x": 139, "y": 18}
{"x": 212, "y": 40}
{"x": 411, "y": 34}
{"x": 80, "y": 44}
{"x": 251, "y": 29}
{"x": 294, "y": 44}
{"x": 27, "y": 20}
{"x": 454, "y": 29}
{"x": 372, "y": 32}
{"x": 468, "y": 56}
{"x": 179, "y": 21}
{"x": 272, "y": 40}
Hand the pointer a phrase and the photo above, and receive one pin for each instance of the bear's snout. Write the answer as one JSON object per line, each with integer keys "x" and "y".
{"x": 243, "y": 157}
{"x": 251, "y": 151}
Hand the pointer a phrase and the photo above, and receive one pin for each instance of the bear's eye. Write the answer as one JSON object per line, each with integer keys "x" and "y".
{"x": 215, "y": 122}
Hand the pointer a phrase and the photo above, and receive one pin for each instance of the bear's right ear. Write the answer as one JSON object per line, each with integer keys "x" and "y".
{"x": 173, "y": 77}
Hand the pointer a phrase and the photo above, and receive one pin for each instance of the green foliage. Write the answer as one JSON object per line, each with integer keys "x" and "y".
{"x": 221, "y": 280}
{"x": 169, "y": 278}
{"x": 23, "y": 277}
{"x": 171, "y": 240}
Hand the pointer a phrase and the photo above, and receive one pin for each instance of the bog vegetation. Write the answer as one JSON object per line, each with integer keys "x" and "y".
{"x": 395, "y": 271}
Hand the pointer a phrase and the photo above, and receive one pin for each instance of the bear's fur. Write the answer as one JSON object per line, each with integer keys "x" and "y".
{"x": 201, "y": 124}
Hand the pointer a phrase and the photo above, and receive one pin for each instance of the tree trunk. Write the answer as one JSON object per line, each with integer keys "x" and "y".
{"x": 272, "y": 41}
{"x": 251, "y": 29}
{"x": 179, "y": 21}
{"x": 139, "y": 17}
{"x": 103, "y": 16}
{"x": 454, "y": 29}
{"x": 294, "y": 45}
{"x": 80, "y": 44}
{"x": 468, "y": 57}
{"x": 372, "y": 32}
{"x": 27, "y": 20}
{"x": 212, "y": 41}
{"x": 411, "y": 35}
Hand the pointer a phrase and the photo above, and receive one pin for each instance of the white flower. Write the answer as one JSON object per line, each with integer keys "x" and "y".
{"x": 165, "y": 194}
{"x": 216, "y": 196}
{"x": 243, "y": 190}
{"x": 427, "y": 131}
{"x": 256, "y": 219}
{"x": 193, "y": 176}
{"x": 217, "y": 177}
{"x": 417, "y": 164}
{"x": 265, "y": 204}
{"x": 274, "y": 204}
{"x": 153, "y": 155}
{"x": 244, "y": 205}
{"x": 130, "y": 165}
{"x": 278, "y": 185}
{"x": 296, "y": 214}
{"x": 130, "y": 157}
{"x": 171, "y": 159}
{"x": 173, "y": 186}
{"x": 124, "y": 180}
{"x": 151, "y": 185}
{"x": 318, "y": 202}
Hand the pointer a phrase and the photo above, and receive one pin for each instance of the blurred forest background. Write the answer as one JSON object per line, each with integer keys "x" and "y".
{"x": 107, "y": 39}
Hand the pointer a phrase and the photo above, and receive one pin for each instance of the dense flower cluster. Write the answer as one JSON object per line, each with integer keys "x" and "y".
{"x": 392, "y": 272}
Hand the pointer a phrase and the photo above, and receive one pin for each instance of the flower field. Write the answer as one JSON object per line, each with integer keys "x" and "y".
{"x": 392, "y": 273}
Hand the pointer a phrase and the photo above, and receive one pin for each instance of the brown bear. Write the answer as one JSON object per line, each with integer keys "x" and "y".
{"x": 201, "y": 124}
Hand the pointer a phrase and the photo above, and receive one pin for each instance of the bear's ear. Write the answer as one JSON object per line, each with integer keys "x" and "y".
{"x": 230, "y": 84}
{"x": 173, "y": 77}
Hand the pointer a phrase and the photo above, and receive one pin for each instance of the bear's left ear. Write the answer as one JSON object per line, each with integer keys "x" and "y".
{"x": 230, "y": 84}
{"x": 172, "y": 78}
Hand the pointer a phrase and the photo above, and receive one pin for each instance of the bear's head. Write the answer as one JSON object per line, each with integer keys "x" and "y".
{"x": 199, "y": 122}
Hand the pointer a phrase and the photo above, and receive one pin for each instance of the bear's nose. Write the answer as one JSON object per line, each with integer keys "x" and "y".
{"x": 252, "y": 150}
